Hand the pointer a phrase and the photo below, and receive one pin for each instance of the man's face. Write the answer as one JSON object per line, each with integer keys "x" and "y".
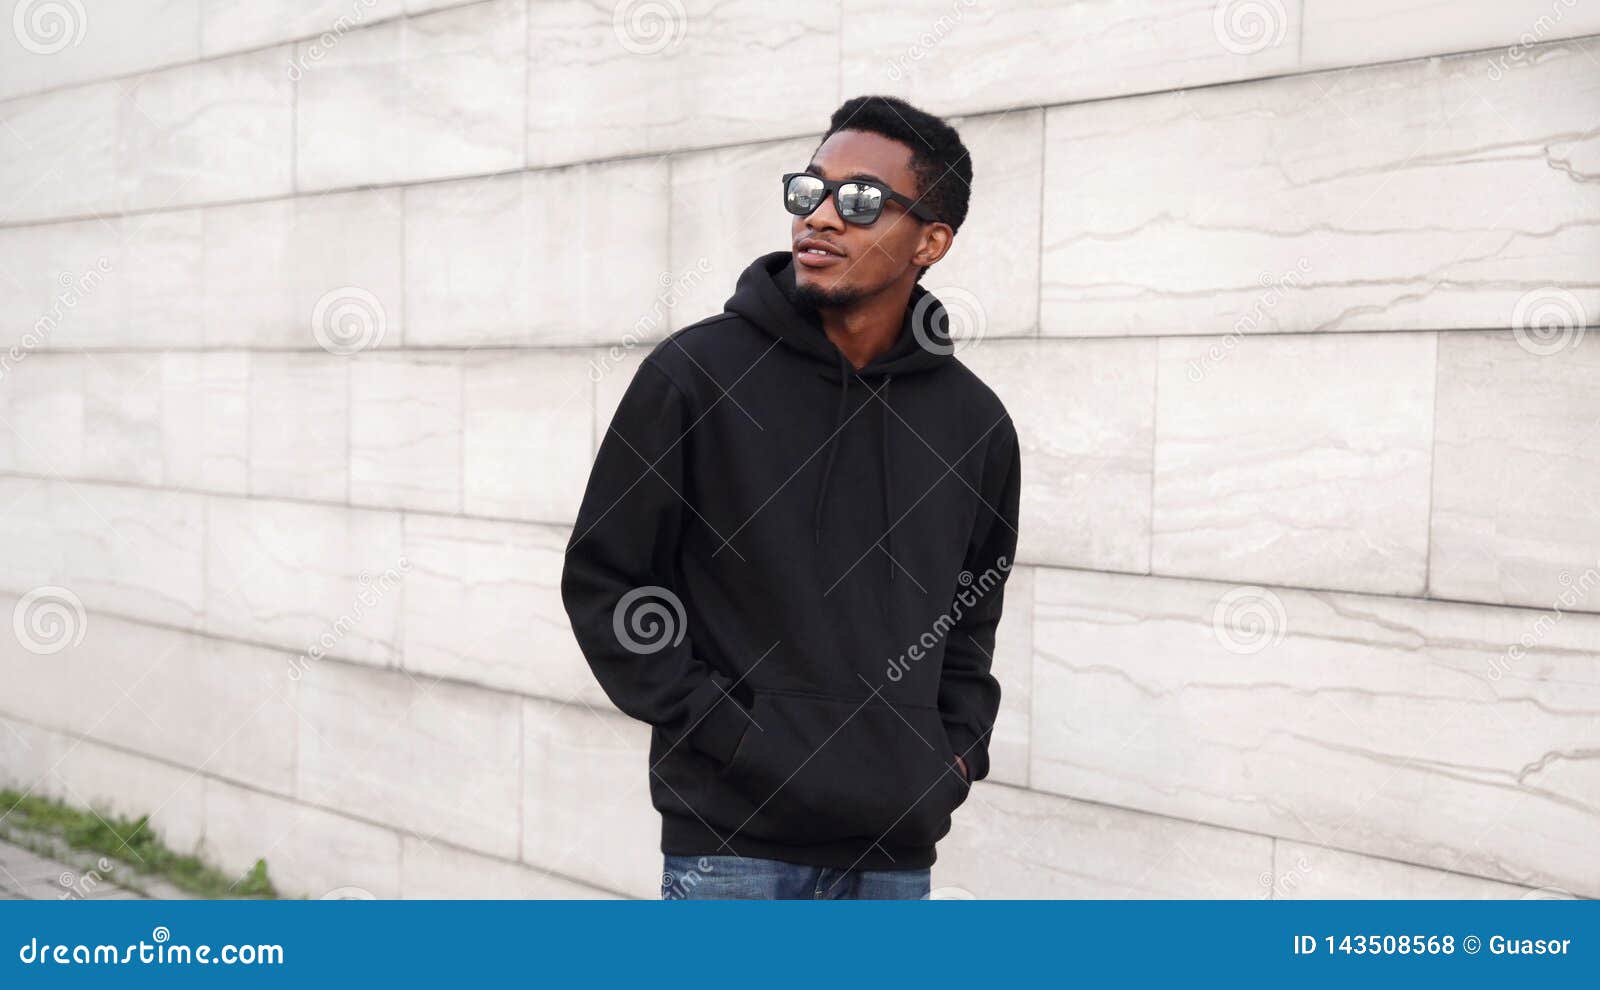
{"x": 875, "y": 256}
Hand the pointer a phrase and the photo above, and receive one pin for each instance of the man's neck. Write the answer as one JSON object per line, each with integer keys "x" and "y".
{"x": 869, "y": 328}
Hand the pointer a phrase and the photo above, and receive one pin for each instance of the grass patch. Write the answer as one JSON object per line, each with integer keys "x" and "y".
{"x": 130, "y": 841}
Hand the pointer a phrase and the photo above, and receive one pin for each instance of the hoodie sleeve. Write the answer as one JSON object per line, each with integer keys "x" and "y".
{"x": 617, "y": 580}
{"x": 969, "y": 695}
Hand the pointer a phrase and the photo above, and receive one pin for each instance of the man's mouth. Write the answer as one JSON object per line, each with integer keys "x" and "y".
{"x": 813, "y": 256}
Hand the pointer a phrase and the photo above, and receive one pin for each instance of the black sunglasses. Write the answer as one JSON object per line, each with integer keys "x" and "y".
{"x": 859, "y": 201}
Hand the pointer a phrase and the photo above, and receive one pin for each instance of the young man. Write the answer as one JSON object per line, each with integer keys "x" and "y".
{"x": 791, "y": 554}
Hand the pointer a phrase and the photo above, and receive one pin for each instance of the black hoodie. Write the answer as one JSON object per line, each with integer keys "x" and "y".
{"x": 793, "y": 569}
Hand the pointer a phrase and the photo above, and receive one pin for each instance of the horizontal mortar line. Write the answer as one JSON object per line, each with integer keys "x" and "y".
{"x": 399, "y": 831}
{"x": 568, "y": 525}
{"x": 696, "y": 149}
{"x": 1090, "y": 802}
{"x": 283, "y": 499}
{"x": 497, "y": 349}
{"x": 311, "y": 194}
{"x": 1299, "y": 72}
{"x": 1030, "y": 335}
{"x": 1239, "y": 830}
{"x": 238, "y": 52}
{"x": 571, "y": 701}
{"x": 346, "y": 662}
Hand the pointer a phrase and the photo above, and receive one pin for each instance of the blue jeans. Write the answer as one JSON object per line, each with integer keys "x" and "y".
{"x": 749, "y": 879}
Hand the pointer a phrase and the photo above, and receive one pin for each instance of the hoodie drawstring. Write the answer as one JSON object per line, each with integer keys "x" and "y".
{"x": 888, "y": 520}
{"x": 845, "y": 374}
{"x": 833, "y": 445}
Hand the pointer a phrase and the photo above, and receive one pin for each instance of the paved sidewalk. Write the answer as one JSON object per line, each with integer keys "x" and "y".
{"x": 27, "y": 875}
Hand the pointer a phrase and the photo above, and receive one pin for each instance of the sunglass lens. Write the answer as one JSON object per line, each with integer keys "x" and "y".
{"x": 859, "y": 203}
{"x": 803, "y": 194}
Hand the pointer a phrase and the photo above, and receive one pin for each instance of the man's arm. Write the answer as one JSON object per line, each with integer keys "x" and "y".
{"x": 969, "y": 695}
{"x": 617, "y": 580}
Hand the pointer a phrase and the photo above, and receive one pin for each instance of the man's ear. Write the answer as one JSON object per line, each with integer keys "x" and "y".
{"x": 937, "y": 239}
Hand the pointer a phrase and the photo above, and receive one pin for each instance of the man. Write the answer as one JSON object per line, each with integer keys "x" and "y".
{"x": 792, "y": 550}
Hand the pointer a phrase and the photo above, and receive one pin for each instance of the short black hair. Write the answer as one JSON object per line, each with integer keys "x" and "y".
{"x": 939, "y": 160}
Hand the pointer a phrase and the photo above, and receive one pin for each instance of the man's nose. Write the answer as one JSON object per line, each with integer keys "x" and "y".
{"x": 825, "y": 217}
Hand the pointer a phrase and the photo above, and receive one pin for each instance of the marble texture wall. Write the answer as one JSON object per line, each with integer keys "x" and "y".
{"x": 313, "y": 315}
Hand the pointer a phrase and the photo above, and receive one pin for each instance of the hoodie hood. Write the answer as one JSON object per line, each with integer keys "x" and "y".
{"x": 765, "y": 295}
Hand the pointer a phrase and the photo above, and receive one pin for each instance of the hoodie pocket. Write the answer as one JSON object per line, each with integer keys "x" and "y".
{"x": 822, "y": 769}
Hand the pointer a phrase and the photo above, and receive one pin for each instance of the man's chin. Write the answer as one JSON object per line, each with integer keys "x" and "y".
{"x": 811, "y": 296}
